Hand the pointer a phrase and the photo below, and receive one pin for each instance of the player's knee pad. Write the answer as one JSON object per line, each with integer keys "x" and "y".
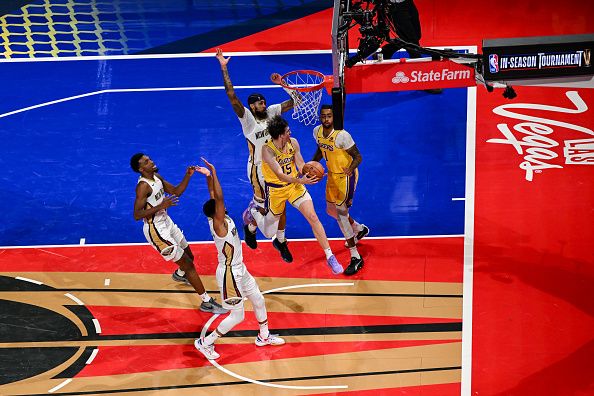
{"x": 331, "y": 209}
{"x": 257, "y": 300}
{"x": 234, "y": 318}
{"x": 343, "y": 221}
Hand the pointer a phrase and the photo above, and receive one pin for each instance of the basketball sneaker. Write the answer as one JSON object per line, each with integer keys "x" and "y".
{"x": 249, "y": 237}
{"x": 207, "y": 350}
{"x": 334, "y": 265}
{"x": 178, "y": 278}
{"x": 354, "y": 267}
{"x": 283, "y": 249}
{"x": 247, "y": 213}
{"x": 273, "y": 339}
{"x": 213, "y": 307}
{"x": 360, "y": 235}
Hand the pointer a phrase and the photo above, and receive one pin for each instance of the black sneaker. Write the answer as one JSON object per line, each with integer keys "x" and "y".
{"x": 354, "y": 267}
{"x": 283, "y": 249}
{"x": 249, "y": 237}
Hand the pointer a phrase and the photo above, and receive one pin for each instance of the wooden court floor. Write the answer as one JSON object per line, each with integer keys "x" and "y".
{"x": 84, "y": 320}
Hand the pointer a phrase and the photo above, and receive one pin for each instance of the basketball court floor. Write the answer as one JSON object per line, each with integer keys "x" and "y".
{"x": 89, "y": 308}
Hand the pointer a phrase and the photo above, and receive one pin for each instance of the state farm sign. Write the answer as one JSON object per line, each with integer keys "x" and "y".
{"x": 400, "y": 76}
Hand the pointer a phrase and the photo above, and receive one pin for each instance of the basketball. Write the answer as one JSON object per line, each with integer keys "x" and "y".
{"x": 314, "y": 168}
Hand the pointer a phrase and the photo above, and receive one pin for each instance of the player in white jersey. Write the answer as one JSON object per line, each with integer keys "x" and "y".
{"x": 160, "y": 231}
{"x": 233, "y": 278}
{"x": 253, "y": 121}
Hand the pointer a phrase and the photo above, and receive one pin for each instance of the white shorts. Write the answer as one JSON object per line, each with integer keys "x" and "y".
{"x": 166, "y": 238}
{"x": 256, "y": 178}
{"x": 235, "y": 282}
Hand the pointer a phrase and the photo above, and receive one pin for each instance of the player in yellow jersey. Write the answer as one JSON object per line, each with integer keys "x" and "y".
{"x": 281, "y": 165}
{"x": 253, "y": 119}
{"x": 342, "y": 159}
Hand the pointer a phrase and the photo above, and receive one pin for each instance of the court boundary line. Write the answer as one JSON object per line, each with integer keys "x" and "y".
{"x": 389, "y": 237}
{"x": 191, "y": 55}
{"x": 273, "y": 385}
{"x": 468, "y": 263}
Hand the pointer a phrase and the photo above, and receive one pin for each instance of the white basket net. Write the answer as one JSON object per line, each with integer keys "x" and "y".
{"x": 305, "y": 87}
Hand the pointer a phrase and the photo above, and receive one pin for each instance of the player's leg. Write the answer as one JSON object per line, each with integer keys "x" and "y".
{"x": 249, "y": 225}
{"x": 280, "y": 242}
{"x": 301, "y": 200}
{"x": 179, "y": 254}
{"x": 340, "y": 189}
{"x": 229, "y": 281}
{"x": 268, "y": 218}
{"x": 253, "y": 293}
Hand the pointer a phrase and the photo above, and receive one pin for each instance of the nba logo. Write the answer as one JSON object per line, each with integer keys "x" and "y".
{"x": 493, "y": 63}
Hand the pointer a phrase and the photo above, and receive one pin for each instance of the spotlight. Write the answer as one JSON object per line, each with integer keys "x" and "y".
{"x": 509, "y": 93}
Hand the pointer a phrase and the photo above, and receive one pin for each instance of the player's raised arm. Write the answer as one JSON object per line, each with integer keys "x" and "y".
{"x": 181, "y": 187}
{"x": 238, "y": 107}
{"x": 215, "y": 190}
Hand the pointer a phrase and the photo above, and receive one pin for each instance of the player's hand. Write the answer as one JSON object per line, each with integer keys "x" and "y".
{"x": 190, "y": 170}
{"x": 170, "y": 200}
{"x": 222, "y": 60}
{"x": 309, "y": 179}
{"x": 276, "y": 78}
{"x": 208, "y": 165}
{"x": 347, "y": 171}
{"x": 202, "y": 170}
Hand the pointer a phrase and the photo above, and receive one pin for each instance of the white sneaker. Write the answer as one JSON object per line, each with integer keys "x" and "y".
{"x": 273, "y": 339}
{"x": 207, "y": 350}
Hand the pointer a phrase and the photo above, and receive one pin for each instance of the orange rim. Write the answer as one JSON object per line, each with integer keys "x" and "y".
{"x": 326, "y": 80}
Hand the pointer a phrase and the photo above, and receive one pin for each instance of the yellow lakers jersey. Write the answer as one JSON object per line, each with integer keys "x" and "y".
{"x": 286, "y": 161}
{"x": 336, "y": 158}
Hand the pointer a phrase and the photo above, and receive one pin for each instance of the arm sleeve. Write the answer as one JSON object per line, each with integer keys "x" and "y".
{"x": 344, "y": 140}
{"x": 247, "y": 122}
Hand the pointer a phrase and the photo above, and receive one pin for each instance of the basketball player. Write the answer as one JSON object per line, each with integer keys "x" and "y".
{"x": 233, "y": 278}
{"x": 160, "y": 231}
{"x": 281, "y": 159}
{"x": 253, "y": 124}
{"x": 342, "y": 159}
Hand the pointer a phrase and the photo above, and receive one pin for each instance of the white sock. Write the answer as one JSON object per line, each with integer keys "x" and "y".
{"x": 211, "y": 338}
{"x": 280, "y": 235}
{"x": 180, "y": 272}
{"x": 328, "y": 253}
{"x": 252, "y": 228}
{"x": 205, "y": 297}
{"x": 354, "y": 252}
{"x": 356, "y": 226}
{"x": 264, "y": 333}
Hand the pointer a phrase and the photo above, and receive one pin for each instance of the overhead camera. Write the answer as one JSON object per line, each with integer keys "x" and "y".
{"x": 373, "y": 27}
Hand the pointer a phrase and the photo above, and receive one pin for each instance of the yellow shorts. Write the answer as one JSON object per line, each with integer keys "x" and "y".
{"x": 277, "y": 196}
{"x": 340, "y": 188}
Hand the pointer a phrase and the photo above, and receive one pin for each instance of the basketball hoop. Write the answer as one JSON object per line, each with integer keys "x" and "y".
{"x": 305, "y": 87}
